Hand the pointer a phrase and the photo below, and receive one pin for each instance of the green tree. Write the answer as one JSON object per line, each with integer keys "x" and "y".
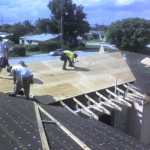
{"x": 17, "y": 30}
{"x": 20, "y": 29}
{"x": 74, "y": 23}
{"x": 98, "y": 27}
{"x": 43, "y": 25}
{"x": 28, "y": 27}
{"x": 5, "y": 28}
{"x": 132, "y": 34}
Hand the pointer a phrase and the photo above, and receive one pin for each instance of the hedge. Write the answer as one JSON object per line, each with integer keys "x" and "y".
{"x": 47, "y": 46}
{"x": 19, "y": 50}
{"x": 32, "y": 48}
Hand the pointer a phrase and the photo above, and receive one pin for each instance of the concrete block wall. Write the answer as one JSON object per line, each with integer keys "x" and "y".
{"x": 145, "y": 129}
{"x": 121, "y": 118}
{"x": 135, "y": 120}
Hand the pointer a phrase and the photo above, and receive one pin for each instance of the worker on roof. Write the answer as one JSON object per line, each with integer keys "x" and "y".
{"x": 3, "y": 54}
{"x": 69, "y": 56}
{"x": 22, "y": 78}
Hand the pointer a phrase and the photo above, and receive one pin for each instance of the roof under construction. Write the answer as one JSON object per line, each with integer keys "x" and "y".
{"x": 21, "y": 128}
{"x": 90, "y": 74}
{"x": 52, "y": 120}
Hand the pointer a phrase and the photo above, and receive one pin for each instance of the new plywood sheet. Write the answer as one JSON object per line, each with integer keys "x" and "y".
{"x": 91, "y": 73}
{"x": 146, "y": 61}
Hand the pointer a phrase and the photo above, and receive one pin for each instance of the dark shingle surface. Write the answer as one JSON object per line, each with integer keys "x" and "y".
{"x": 95, "y": 134}
{"x": 18, "y": 126}
{"x": 19, "y": 130}
{"x": 140, "y": 71}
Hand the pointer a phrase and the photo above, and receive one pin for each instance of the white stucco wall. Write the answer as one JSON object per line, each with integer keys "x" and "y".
{"x": 135, "y": 120}
{"x": 120, "y": 118}
{"x": 145, "y": 130}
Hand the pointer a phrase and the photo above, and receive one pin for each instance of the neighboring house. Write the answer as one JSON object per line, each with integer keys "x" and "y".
{"x": 89, "y": 36}
{"x": 100, "y": 34}
{"x": 34, "y": 39}
{"x": 148, "y": 45}
{"x": 10, "y": 43}
{"x": 79, "y": 38}
{"x": 81, "y": 41}
{"x": 4, "y": 34}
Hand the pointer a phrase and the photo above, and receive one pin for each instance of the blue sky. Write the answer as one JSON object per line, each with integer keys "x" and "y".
{"x": 98, "y": 11}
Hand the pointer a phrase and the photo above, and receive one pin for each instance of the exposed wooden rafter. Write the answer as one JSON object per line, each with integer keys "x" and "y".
{"x": 118, "y": 99}
{"x": 86, "y": 109}
{"x": 45, "y": 145}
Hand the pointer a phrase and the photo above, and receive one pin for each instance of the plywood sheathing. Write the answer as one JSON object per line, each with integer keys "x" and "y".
{"x": 146, "y": 61}
{"x": 90, "y": 74}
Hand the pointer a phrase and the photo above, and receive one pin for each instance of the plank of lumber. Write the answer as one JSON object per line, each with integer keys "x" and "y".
{"x": 70, "y": 134}
{"x": 119, "y": 99}
{"x": 100, "y": 107}
{"x": 86, "y": 109}
{"x": 44, "y": 141}
{"x": 109, "y": 101}
{"x": 67, "y": 107}
{"x": 131, "y": 89}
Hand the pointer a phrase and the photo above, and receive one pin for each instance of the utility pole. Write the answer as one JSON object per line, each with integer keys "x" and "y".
{"x": 62, "y": 32}
{"x": 1, "y": 18}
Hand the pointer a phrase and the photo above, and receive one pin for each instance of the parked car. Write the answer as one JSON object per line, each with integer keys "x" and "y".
{"x": 56, "y": 52}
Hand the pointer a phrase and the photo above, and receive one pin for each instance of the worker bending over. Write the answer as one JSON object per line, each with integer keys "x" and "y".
{"x": 22, "y": 78}
{"x": 69, "y": 56}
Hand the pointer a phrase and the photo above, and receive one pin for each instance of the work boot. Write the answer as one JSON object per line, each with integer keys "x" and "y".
{"x": 21, "y": 92}
{"x": 27, "y": 97}
{"x": 12, "y": 94}
{"x": 64, "y": 68}
{"x": 71, "y": 65}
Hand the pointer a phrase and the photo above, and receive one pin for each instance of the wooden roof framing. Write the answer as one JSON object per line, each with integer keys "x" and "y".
{"x": 90, "y": 74}
{"x": 125, "y": 95}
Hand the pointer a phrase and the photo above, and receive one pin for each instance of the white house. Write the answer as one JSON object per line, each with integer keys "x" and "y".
{"x": 34, "y": 39}
{"x": 4, "y": 34}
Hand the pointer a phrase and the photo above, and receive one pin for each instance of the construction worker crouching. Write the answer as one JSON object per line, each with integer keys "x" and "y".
{"x": 22, "y": 78}
{"x": 69, "y": 56}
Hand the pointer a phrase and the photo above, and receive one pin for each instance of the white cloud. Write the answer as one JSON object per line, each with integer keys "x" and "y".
{"x": 107, "y": 2}
{"x": 126, "y": 2}
{"x": 88, "y": 2}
